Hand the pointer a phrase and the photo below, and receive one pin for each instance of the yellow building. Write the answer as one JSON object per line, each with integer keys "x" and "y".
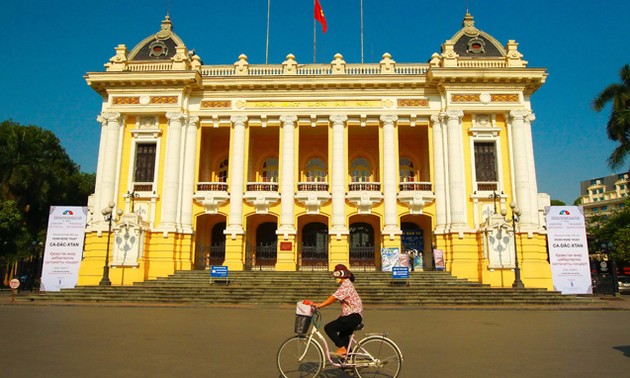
{"x": 304, "y": 166}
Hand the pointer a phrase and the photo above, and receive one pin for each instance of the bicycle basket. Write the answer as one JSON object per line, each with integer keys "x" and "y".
{"x": 301, "y": 324}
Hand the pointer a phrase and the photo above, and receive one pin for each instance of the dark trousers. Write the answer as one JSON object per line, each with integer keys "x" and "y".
{"x": 339, "y": 330}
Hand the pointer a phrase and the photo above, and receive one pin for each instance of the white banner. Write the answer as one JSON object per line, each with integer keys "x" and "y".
{"x": 568, "y": 250}
{"x": 64, "y": 247}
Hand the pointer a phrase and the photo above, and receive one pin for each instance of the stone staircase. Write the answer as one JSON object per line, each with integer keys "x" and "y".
{"x": 267, "y": 287}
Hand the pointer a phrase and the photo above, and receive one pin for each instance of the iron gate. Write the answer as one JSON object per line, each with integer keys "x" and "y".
{"x": 208, "y": 255}
{"x": 261, "y": 257}
{"x": 313, "y": 257}
{"x": 362, "y": 257}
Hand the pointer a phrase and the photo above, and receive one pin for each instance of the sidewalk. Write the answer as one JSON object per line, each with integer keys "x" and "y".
{"x": 599, "y": 302}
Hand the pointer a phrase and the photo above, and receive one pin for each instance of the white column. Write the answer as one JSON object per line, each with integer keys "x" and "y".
{"x": 108, "y": 161}
{"x": 390, "y": 172}
{"x": 190, "y": 167}
{"x": 457, "y": 179}
{"x": 339, "y": 173}
{"x": 237, "y": 165}
{"x": 532, "y": 167}
{"x": 522, "y": 180}
{"x": 439, "y": 174}
{"x": 287, "y": 180}
{"x": 170, "y": 192}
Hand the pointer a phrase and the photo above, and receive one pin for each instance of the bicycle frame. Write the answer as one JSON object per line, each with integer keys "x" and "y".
{"x": 345, "y": 362}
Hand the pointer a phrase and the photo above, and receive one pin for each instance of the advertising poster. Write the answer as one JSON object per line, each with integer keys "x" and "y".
{"x": 438, "y": 258}
{"x": 390, "y": 257}
{"x": 64, "y": 247}
{"x": 568, "y": 250}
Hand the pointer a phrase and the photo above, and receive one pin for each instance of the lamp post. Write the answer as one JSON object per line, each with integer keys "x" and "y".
{"x": 516, "y": 213}
{"x": 108, "y": 213}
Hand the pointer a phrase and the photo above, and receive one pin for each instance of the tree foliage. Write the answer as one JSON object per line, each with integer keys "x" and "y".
{"x": 35, "y": 173}
{"x": 618, "y": 126}
{"x": 613, "y": 229}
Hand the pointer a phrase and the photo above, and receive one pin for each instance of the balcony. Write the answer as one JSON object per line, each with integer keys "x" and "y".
{"x": 416, "y": 195}
{"x": 211, "y": 195}
{"x": 312, "y": 195}
{"x": 262, "y": 195}
{"x": 492, "y": 186}
{"x": 364, "y": 195}
{"x": 143, "y": 187}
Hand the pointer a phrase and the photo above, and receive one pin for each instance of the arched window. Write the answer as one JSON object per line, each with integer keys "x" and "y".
{"x": 270, "y": 170}
{"x": 407, "y": 171}
{"x": 316, "y": 170}
{"x": 360, "y": 170}
{"x": 223, "y": 171}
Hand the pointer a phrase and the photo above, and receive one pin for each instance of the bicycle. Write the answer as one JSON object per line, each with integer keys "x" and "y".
{"x": 302, "y": 355}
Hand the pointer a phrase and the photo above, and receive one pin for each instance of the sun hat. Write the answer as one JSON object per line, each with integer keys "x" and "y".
{"x": 341, "y": 271}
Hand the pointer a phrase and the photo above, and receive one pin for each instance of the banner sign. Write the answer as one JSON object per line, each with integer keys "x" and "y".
{"x": 400, "y": 272}
{"x": 218, "y": 271}
{"x": 64, "y": 247}
{"x": 568, "y": 250}
{"x": 390, "y": 257}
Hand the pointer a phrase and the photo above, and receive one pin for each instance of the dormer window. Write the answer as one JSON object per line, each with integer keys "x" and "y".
{"x": 476, "y": 46}
{"x": 157, "y": 49}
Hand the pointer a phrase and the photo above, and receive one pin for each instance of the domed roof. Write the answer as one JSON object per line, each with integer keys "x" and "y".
{"x": 472, "y": 42}
{"x": 160, "y": 46}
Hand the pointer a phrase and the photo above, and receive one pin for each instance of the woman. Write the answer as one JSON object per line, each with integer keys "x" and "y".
{"x": 341, "y": 329}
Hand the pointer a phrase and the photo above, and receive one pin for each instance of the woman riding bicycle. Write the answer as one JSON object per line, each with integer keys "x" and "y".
{"x": 341, "y": 329}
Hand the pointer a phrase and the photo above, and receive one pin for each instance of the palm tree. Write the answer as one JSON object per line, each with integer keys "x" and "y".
{"x": 618, "y": 126}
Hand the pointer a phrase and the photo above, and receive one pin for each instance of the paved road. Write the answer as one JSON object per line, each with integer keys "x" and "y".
{"x": 163, "y": 341}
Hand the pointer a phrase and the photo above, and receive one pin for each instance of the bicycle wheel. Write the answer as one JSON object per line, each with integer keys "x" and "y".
{"x": 289, "y": 363}
{"x": 377, "y": 356}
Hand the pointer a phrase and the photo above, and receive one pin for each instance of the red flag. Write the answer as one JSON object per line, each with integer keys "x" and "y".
{"x": 319, "y": 15}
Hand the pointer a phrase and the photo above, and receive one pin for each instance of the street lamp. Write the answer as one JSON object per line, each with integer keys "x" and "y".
{"x": 516, "y": 213}
{"x": 109, "y": 217}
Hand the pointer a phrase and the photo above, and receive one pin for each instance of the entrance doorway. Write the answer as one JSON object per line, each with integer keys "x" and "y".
{"x": 314, "y": 248}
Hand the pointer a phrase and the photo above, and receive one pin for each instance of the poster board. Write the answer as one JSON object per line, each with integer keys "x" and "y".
{"x": 568, "y": 250}
{"x": 64, "y": 247}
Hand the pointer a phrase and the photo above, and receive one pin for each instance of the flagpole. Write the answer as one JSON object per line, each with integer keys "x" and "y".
{"x": 361, "y": 31}
{"x": 267, "y": 42}
{"x": 314, "y": 37}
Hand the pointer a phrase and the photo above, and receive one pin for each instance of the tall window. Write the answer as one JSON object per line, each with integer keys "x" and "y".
{"x": 360, "y": 170}
{"x": 407, "y": 171}
{"x": 270, "y": 170}
{"x": 315, "y": 170}
{"x": 145, "y": 162}
{"x": 486, "y": 162}
{"x": 223, "y": 170}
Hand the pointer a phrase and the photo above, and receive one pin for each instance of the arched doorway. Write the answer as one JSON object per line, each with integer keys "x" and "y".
{"x": 266, "y": 253}
{"x": 412, "y": 240}
{"x": 314, "y": 248}
{"x": 217, "y": 245}
{"x": 362, "y": 247}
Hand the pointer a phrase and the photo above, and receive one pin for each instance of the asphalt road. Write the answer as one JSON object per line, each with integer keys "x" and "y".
{"x": 162, "y": 341}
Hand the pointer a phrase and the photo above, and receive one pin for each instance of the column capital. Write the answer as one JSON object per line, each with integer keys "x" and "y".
{"x": 105, "y": 117}
{"x": 238, "y": 119}
{"x": 193, "y": 121}
{"x": 435, "y": 118}
{"x": 522, "y": 114}
{"x": 288, "y": 119}
{"x": 175, "y": 116}
{"x": 454, "y": 115}
{"x": 389, "y": 118}
{"x": 338, "y": 118}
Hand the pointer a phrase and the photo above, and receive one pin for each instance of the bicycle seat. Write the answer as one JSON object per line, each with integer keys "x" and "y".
{"x": 359, "y": 327}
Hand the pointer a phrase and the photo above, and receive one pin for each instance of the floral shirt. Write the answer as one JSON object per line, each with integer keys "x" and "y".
{"x": 349, "y": 298}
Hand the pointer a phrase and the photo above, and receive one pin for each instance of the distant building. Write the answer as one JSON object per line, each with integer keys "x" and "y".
{"x": 299, "y": 166}
{"x": 601, "y": 196}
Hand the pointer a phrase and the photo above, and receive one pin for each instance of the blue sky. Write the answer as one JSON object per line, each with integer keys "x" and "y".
{"x": 50, "y": 45}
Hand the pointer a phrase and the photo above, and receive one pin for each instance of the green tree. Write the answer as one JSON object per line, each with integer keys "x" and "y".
{"x": 613, "y": 229}
{"x": 35, "y": 173}
{"x": 618, "y": 126}
{"x": 557, "y": 203}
